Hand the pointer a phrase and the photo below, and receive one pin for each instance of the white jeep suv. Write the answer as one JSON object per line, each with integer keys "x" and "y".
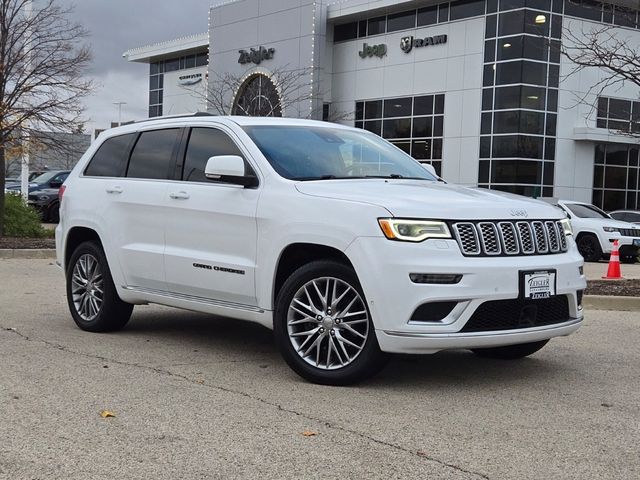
{"x": 595, "y": 231}
{"x": 343, "y": 244}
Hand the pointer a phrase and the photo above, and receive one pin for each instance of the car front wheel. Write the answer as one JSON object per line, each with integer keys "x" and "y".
{"x": 92, "y": 297}
{"x": 323, "y": 327}
{"x": 589, "y": 248}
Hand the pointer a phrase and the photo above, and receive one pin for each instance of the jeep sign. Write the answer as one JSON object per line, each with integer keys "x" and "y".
{"x": 373, "y": 51}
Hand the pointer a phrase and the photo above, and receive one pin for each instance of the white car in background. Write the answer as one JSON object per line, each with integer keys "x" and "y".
{"x": 595, "y": 231}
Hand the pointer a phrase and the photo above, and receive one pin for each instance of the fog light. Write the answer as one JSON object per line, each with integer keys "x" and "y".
{"x": 579, "y": 295}
{"x": 441, "y": 278}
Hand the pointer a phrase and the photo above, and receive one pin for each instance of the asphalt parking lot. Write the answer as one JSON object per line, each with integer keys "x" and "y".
{"x": 198, "y": 397}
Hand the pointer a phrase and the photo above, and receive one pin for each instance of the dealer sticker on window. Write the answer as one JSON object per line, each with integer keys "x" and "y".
{"x": 539, "y": 284}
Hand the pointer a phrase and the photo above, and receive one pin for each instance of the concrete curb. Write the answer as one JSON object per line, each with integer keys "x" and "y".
{"x": 610, "y": 302}
{"x": 28, "y": 253}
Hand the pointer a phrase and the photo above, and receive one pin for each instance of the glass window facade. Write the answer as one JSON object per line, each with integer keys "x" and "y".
{"x": 520, "y": 97}
{"x": 413, "y": 124}
{"x": 616, "y": 177}
{"x": 156, "y": 77}
{"x": 408, "y": 19}
{"x": 618, "y": 114}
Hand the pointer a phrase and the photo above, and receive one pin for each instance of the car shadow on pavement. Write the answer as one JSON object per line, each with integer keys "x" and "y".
{"x": 224, "y": 337}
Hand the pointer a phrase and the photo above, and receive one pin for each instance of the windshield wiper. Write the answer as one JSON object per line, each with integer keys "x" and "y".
{"x": 396, "y": 175}
{"x": 321, "y": 177}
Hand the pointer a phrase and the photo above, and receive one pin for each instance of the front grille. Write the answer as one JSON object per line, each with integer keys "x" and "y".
{"x": 630, "y": 232}
{"x": 518, "y": 313}
{"x": 510, "y": 238}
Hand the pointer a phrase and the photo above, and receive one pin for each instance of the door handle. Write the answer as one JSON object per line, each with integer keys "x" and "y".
{"x": 114, "y": 189}
{"x": 181, "y": 195}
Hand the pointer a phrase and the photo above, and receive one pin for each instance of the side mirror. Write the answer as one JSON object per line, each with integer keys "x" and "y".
{"x": 55, "y": 183}
{"x": 429, "y": 168}
{"x": 229, "y": 169}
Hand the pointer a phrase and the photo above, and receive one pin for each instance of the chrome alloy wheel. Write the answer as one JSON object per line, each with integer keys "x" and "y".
{"x": 327, "y": 323}
{"x": 87, "y": 287}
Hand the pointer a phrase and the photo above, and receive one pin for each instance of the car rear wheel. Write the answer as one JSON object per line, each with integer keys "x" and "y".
{"x": 589, "y": 248}
{"x": 511, "y": 352}
{"x": 323, "y": 327}
{"x": 92, "y": 297}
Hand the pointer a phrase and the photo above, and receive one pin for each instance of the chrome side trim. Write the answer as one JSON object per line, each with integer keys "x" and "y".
{"x": 193, "y": 298}
{"x": 572, "y": 321}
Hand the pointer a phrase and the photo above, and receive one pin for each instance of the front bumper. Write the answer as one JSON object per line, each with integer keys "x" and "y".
{"x": 383, "y": 268}
{"x": 627, "y": 245}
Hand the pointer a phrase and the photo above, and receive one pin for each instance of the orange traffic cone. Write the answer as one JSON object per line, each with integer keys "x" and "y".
{"x": 613, "y": 272}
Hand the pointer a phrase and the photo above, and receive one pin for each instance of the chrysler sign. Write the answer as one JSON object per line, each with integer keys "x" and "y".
{"x": 191, "y": 79}
{"x": 408, "y": 43}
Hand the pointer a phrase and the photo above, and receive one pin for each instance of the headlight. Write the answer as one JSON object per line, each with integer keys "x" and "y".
{"x": 566, "y": 226}
{"x": 413, "y": 230}
{"x": 611, "y": 229}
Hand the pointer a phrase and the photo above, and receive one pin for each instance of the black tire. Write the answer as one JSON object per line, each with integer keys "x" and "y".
{"x": 112, "y": 313}
{"x": 589, "y": 248}
{"x": 369, "y": 361}
{"x": 53, "y": 213}
{"x": 629, "y": 259}
{"x": 510, "y": 352}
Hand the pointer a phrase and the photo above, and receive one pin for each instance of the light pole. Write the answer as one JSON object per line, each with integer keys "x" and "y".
{"x": 119, "y": 104}
{"x": 24, "y": 177}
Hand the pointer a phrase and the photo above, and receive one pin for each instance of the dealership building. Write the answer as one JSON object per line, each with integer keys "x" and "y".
{"x": 478, "y": 88}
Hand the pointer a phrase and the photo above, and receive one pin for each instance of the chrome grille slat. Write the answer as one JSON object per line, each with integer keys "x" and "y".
{"x": 552, "y": 235}
{"x": 489, "y": 238}
{"x": 525, "y": 235}
{"x": 467, "y": 237}
{"x": 540, "y": 236}
{"x": 561, "y": 236}
{"x": 508, "y": 238}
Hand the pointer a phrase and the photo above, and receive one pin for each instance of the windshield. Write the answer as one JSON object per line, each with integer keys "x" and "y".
{"x": 586, "y": 211}
{"x": 323, "y": 153}
{"x": 44, "y": 178}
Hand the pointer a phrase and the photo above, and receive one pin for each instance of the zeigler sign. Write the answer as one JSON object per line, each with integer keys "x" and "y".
{"x": 409, "y": 43}
{"x": 255, "y": 56}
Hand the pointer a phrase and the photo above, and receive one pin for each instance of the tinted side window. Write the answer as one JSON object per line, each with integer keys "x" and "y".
{"x": 111, "y": 158}
{"x": 152, "y": 156}
{"x": 203, "y": 144}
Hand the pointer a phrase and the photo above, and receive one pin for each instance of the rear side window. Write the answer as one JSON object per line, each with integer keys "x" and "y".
{"x": 111, "y": 158}
{"x": 153, "y": 154}
{"x": 203, "y": 144}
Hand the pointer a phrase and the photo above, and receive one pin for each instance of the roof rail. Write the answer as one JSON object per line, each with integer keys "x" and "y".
{"x": 186, "y": 115}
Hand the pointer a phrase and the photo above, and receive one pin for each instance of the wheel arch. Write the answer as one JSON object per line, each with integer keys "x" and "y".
{"x": 591, "y": 233}
{"x": 295, "y": 255}
{"x": 77, "y": 236}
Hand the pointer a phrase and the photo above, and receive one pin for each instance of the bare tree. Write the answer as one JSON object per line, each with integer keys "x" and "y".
{"x": 42, "y": 63}
{"x": 283, "y": 91}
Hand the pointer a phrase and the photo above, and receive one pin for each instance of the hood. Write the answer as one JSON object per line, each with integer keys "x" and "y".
{"x": 437, "y": 200}
{"x": 602, "y": 222}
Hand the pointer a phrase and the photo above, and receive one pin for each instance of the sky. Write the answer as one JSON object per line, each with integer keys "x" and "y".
{"x": 118, "y": 25}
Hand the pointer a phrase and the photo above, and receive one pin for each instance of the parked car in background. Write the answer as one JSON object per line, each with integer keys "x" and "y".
{"x": 46, "y": 203}
{"x": 50, "y": 179}
{"x": 595, "y": 231}
{"x": 631, "y": 216}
